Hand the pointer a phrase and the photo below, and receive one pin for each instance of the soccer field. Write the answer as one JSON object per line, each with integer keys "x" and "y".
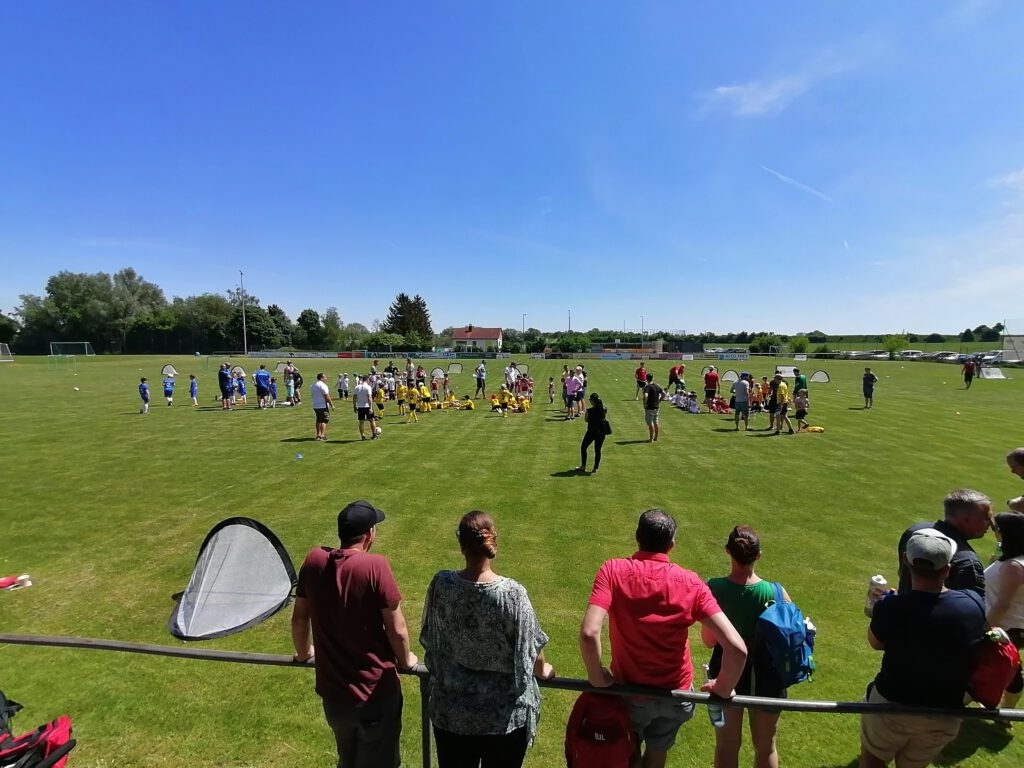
{"x": 106, "y": 509}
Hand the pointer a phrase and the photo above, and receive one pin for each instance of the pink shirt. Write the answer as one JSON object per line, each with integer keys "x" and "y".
{"x": 651, "y": 604}
{"x": 572, "y": 385}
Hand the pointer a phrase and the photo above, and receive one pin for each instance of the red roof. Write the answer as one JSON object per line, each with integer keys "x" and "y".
{"x": 476, "y": 332}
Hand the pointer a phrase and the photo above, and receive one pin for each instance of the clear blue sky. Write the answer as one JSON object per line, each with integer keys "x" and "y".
{"x": 834, "y": 165}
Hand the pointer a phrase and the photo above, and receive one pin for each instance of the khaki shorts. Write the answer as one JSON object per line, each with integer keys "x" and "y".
{"x": 917, "y": 739}
{"x": 651, "y": 416}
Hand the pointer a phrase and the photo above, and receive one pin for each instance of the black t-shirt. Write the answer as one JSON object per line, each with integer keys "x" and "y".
{"x": 652, "y": 396}
{"x": 595, "y": 419}
{"x": 931, "y": 643}
{"x": 965, "y": 570}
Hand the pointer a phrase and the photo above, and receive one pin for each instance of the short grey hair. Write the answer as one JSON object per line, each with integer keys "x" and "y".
{"x": 964, "y": 500}
{"x": 1016, "y": 457}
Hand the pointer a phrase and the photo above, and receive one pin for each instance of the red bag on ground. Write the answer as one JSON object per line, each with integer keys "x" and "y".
{"x": 599, "y": 733}
{"x": 45, "y": 747}
{"x": 994, "y": 670}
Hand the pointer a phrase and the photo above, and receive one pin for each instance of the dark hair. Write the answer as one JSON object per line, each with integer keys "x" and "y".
{"x": 743, "y": 544}
{"x": 650, "y": 377}
{"x": 656, "y": 531}
{"x": 596, "y": 400}
{"x": 477, "y": 535}
{"x": 1011, "y": 530}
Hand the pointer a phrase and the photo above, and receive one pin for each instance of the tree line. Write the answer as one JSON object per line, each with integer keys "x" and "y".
{"x": 125, "y": 313}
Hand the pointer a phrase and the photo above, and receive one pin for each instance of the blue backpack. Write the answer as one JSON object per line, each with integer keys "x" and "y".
{"x": 782, "y": 638}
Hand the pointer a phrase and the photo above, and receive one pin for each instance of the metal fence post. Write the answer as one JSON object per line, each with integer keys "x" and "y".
{"x": 428, "y": 758}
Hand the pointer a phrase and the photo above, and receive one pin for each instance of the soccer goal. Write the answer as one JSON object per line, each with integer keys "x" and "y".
{"x": 820, "y": 377}
{"x": 62, "y": 363}
{"x": 730, "y": 375}
{"x": 454, "y": 368}
{"x": 168, "y": 370}
{"x": 437, "y": 373}
{"x": 786, "y": 371}
{"x": 5, "y": 354}
{"x": 70, "y": 348}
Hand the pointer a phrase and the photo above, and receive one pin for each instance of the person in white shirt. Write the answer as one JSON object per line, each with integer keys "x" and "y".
{"x": 362, "y": 403}
{"x": 322, "y": 406}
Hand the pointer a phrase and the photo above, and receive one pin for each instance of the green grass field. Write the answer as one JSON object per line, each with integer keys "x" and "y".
{"x": 106, "y": 508}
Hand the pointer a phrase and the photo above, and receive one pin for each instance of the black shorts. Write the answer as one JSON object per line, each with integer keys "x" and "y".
{"x": 758, "y": 679}
{"x": 801, "y": 414}
{"x": 783, "y": 409}
{"x": 710, "y": 393}
{"x": 640, "y": 384}
{"x": 262, "y": 391}
{"x": 364, "y": 414}
{"x": 323, "y": 415}
{"x": 226, "y": 394}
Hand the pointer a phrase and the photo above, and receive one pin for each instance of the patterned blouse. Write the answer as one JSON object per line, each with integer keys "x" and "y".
{"x": 482, "y": 640}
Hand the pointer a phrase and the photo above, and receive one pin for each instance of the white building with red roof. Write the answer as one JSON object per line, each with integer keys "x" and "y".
{"x": 476, "y": 337}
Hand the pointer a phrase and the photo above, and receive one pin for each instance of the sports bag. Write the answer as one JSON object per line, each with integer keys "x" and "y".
{"x": 782, "y": 638}
{"x": 997, "y": 663}
{"x": 45, "y": 747}
{"x": 599, "y": 733}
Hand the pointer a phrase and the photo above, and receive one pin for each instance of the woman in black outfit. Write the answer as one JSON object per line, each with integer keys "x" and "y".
{"x": 597, "y": 428}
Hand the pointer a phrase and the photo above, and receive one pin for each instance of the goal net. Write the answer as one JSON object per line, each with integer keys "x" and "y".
{"x": 71, "y": 348}
{"x": 1013, "y": 340}
{"x": 62, "y": 363}
{"x": 5, "y": 354}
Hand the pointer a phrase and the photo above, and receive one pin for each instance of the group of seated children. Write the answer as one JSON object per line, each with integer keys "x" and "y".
{"x": 686, "y": 401}
{"x": 504, "y": 402}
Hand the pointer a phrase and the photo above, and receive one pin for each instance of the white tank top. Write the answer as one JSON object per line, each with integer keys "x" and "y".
{"x": 1014, "y": 617}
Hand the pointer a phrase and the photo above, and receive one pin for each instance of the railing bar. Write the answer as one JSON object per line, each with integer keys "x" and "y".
{"x": 559, "y": 683}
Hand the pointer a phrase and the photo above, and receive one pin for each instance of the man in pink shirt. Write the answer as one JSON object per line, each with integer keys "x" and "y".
{"x": 651, "y": 604}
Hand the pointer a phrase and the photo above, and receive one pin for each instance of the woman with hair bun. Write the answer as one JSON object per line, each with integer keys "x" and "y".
{"x": 484, "y": 646}
{"x": 597, "y": 429}
{"x": 743, "y": 595}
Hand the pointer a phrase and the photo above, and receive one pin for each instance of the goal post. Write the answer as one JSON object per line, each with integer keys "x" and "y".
{"x": 71, "y": 348}
{"x": 6, "y": 356}
{"x": 62, "y": 363}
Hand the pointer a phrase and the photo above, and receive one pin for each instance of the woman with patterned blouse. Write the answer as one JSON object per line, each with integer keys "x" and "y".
{"x": 483, "y": 646}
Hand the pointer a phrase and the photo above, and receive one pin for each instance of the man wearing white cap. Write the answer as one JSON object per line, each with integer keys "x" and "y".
{"x": 929, "y": 636}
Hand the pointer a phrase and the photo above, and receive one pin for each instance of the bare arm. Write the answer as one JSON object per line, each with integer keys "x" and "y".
{"x": 590, "y": 647}
{"x": 734, "y": 655}
{"x": 542, "y": 669}
{"x": 300, "y": 630}
{"x": 398, "y": 636}
{"x": 1011, "y": 576}
{"x": 874, "y": 642}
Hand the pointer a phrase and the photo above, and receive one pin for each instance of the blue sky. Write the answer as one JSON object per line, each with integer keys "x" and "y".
{"x": 848, "y": 167}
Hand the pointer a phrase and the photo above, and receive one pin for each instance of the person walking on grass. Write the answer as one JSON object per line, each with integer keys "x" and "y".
{"x": 969, "y": 369}
{"x": 652, "y": 408}
{"x": 597, "y": 429}
{"x": 484, "y": 648}
{"x": 799, "y": 380}
{"x": 743, "y": 596}
{"x": 193, "y": 389}
{"x": 349, "y": 600}
{"x": 802, "y": 404}
{"x": 572, "y": 387}
{"x": 712, "y": 386}
{"x": 362, "y": 404}
{"x": 869, "y": 381}
{"x": 651, "y": 604}
{"x": 322, "y": 406}
{"x": 144, "y": 394}
{"x": 226, "y": 385}
{"x": 741, "y": 403}
{"x": 640, "y": 374}
{"x": 782, "y": 398}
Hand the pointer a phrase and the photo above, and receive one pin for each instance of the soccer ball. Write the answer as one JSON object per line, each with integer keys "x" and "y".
{"x": 76, "y": 389}
{"x": 377, "y": 430}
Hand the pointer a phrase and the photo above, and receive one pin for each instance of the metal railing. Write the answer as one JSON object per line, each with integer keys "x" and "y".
{"x": 558, "y": 683}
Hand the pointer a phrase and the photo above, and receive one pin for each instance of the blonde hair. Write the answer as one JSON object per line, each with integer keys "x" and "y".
{"x": 477, "y": 535}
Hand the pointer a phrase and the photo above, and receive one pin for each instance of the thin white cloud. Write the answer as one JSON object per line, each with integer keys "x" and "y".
{"x": 799, "y": 185}
{"x": 846, "y": 245}
{"x": 758, "y": 97}
{"x": 1013, "y": 180}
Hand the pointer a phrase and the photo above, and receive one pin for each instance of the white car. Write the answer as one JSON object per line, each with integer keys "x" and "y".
{"x": 911, "y": 354}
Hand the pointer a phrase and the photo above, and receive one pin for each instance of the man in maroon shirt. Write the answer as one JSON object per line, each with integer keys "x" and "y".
{"x": 640, "y": 374}
{"x": 651, "y": 604}
{"x": 350, "y": 599}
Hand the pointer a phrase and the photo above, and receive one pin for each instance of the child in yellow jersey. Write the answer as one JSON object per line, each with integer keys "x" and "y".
{"x": 378, "y": 400}
{"x": 495, "y": 404}
{"x": 424, "y": 398}
{"x": 467, "y": 404}
{"x": 400, "y": 392}
{"x": 504, "y": 398}
{"x": 412, "y": 397}
{"x": 451, "y": 400}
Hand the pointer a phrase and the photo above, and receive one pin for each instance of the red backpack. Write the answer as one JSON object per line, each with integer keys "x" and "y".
{"x": 45, "y": 747}
{"x": 599, "y": 733}
{"x": 994, "y": 669}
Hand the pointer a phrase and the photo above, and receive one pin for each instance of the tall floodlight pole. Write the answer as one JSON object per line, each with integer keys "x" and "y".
{"x": 245, "y": 334}
{"x": 642, "y": 332}
{"x": 570, "y": 320}
{"x": 524, "y": 333}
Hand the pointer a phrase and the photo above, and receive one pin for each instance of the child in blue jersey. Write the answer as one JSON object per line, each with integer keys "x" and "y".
{"x": 273, "y": 392}
{"x": 144, "y": 394}
{"x": 169, "y": 389}
{"x": 193, "y": 389}
{"x": 240, "y": 385}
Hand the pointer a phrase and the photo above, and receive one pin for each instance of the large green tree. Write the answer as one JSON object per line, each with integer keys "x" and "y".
{"x": 9, "y": 328}
{"x": 408, "y": 316}
{"x": 308, "y": 322}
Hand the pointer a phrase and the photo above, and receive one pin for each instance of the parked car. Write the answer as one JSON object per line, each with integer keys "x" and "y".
{"x": 878, "y": 354}
{"x": 949, "y": 357}
{"x": 995, "y": 356}
{"x": 936, "y": 355}
{"x": 911, "y": 354}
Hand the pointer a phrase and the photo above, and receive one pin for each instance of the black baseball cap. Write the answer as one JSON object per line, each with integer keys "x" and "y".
{"x": 358, "y": 518}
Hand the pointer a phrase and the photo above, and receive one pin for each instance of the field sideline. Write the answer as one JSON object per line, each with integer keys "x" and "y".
{"x": 106, "y": 509}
